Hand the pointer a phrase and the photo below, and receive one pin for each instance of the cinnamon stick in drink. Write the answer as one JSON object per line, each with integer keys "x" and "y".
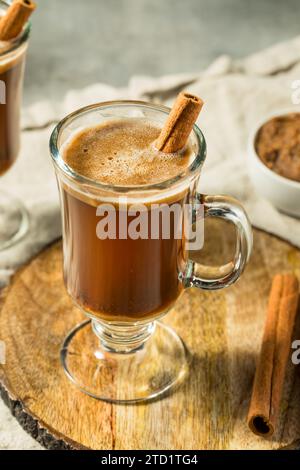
{"x": 275, "y": 355}
{"x": 17, "y": 15}
{"x": 179, "y": 124}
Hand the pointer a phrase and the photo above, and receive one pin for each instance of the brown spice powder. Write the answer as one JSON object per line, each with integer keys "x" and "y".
{"x": 278, "y": 145}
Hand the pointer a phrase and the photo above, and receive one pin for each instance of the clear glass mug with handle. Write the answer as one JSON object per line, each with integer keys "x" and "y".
{"x": 13, "y": 215}
{"x": 124, "y": 284}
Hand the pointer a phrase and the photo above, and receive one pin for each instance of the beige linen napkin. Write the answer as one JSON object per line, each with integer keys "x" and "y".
{"x": 237, "y": 94}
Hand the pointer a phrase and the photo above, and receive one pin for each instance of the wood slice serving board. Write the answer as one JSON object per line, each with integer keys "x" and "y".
{"x": 222, "y": 331}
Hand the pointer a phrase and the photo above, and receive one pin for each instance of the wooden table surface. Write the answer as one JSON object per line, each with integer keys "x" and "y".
{"x": 222, "y": 331}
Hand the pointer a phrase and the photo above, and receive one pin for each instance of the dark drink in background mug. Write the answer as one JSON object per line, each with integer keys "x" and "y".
{"x": 11, "y": 81}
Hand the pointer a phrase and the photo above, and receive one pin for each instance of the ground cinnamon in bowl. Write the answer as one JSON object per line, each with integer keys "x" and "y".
{"x": 278, "y": 145}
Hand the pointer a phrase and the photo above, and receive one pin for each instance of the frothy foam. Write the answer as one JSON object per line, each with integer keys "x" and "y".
{"x": 122, "y": 152}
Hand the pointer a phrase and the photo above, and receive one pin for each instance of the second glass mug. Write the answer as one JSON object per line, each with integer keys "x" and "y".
{"x": 123, "y": 354}
{"x": 13, "y": 215}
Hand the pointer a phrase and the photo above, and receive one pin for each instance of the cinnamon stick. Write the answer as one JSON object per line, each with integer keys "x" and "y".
{"x": 179, "y": 124}
{"x": 12, "y": 23}
{"x": 275, "y": 355}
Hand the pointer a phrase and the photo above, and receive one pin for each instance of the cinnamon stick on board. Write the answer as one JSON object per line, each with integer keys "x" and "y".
{"x": 274, "y": 356}
{"x": 12, "y": 23}
{"x": 179, "y": 124}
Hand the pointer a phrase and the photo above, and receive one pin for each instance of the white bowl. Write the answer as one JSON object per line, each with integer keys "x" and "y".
{"x": 282, "y": 192}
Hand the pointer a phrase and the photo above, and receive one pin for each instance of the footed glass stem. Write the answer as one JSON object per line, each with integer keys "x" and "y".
{"x": 124, "y": 364}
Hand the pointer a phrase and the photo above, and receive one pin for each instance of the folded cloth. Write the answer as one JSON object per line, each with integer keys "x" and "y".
{"x": 237, "y": 94}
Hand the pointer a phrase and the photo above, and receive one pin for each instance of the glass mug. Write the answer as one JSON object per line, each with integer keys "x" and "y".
{"x": 122, "y": 353}
{"x": 13, "y": 216}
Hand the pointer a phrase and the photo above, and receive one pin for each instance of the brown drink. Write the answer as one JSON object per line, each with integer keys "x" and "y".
{"x": 14, "y": 32}
{"x": 121, "y": 280}
{"x": 11, "y": 79}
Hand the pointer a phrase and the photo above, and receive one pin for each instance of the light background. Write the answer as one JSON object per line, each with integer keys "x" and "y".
{"x": 78, "y": 42}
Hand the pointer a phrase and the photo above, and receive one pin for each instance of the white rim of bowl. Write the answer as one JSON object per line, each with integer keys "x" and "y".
{"x": 251, "y": 146}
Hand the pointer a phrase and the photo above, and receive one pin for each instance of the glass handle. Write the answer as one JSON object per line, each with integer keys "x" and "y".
{"x": 211, "y": 277}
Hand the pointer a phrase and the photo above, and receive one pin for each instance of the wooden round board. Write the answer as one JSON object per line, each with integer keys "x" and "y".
{"x": 222, "y": 331}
